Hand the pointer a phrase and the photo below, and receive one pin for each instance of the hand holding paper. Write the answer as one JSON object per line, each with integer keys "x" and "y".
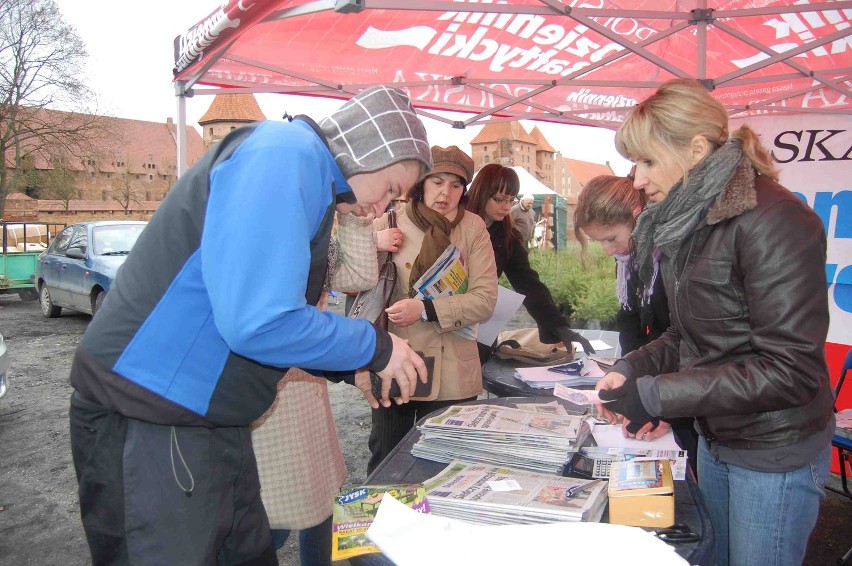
{"x": 577, "y": 396}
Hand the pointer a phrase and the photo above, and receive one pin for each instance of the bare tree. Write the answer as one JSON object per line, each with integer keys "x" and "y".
{"x": 124, "y": 191}
{"x": 40, "y": 61}
{"x": 58, "y": 183}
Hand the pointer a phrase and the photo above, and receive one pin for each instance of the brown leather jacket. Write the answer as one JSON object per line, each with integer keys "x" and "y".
{"x": 749, "y": 312}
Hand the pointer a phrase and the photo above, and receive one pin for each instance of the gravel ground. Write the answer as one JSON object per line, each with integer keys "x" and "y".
{"x": 39, "y": 514}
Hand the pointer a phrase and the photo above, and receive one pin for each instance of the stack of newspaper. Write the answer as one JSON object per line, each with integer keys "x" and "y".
{"x": 502, "y": 436}
{"x": 492, "y": 495}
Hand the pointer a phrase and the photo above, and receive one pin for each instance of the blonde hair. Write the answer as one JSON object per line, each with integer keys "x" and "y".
{"x": 668, "y": 120}
{"x": 606, "y": 200}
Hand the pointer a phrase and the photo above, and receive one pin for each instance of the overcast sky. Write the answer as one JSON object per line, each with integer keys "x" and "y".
{"x": 130, "y": 69}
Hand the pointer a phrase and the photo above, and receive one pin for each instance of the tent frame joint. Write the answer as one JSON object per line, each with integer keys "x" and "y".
{"x": 349, "y": 6}
{"x": 702, "y": 15}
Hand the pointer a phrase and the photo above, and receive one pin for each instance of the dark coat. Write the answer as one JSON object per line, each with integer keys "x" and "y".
{"x": 637, "y": 325}
{"x": 749, "y": 307}
{"x": 515, "y": 264}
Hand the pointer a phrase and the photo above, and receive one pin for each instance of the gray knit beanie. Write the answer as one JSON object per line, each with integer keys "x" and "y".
{"x": 375, "y": 129}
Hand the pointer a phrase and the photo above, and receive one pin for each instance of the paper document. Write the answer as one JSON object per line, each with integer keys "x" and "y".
{"x": 446, "y": 277}
{"x": 577, "y": 396}
{"x": 409, "y": 538}
{"x": 598, "y": 345}
{"x": 508, "y": 302}
{"x": 611, "y": 436}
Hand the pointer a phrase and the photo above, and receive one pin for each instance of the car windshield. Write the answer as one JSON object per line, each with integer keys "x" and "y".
{"x": 115, "y": 239}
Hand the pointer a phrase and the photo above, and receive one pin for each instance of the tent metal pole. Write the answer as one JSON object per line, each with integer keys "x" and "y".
{"x": 180, "y": 95}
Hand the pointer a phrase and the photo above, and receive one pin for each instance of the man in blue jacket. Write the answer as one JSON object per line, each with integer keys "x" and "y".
{"x": 210, "y": 308}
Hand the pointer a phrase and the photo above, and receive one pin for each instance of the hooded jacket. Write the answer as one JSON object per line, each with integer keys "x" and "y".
{"x": 749, "y": 312}
{"x": 216, "y": 299}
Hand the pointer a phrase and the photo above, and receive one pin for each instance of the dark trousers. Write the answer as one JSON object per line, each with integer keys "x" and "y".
{"x": 391, "y": 424}
{"x": 314, "y": 543}
{"x": 154, "y": 494}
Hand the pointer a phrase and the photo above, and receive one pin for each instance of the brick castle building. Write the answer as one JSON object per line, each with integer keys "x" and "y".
{"x": 128, "y": 171}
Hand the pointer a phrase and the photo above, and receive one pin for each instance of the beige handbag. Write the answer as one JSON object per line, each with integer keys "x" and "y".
{"x": 523, "y": 345}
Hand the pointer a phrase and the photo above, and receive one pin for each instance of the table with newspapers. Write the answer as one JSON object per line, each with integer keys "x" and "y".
{"x": 499, "y": 377}
{"x": 401, "y": 466}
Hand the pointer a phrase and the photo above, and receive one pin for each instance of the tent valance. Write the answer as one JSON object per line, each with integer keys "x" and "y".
{"x": 578, "y": 62}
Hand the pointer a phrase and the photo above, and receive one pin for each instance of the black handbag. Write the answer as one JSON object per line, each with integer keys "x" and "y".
{"x": 371, "y": 304}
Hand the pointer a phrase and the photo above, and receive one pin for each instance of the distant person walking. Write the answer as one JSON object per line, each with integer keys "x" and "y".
{"x": 523, "y": 217}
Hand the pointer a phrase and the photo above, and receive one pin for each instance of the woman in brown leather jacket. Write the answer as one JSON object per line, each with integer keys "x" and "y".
{"x": 743, "y": 265}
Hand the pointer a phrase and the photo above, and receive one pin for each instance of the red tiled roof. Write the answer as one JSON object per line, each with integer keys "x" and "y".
{"x": 513, "y": 130}
{"x": 233, "y": 108}
{"x": 585, "y": 170}
{"x": 542, "y": 142}
{"x": 18, "y": 196}
{"x": 135, "y": 142}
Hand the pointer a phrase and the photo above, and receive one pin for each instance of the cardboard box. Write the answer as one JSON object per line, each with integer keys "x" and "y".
{"x": 641, "y": 494}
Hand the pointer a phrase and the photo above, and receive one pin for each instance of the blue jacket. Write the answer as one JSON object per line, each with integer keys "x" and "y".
{"x": 215, "y": 300}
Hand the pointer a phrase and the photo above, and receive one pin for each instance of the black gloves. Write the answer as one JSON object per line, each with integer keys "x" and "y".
{"x": 567, "y": 336}
{"x": 625, "y": 401}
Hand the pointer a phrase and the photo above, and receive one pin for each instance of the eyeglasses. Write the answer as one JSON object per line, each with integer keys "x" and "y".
{"x": 511, "y": 200}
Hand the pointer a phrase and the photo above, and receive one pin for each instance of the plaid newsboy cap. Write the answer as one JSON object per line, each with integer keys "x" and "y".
{"x": 374, "y": 129}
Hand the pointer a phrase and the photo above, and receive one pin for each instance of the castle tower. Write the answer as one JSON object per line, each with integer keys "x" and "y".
{"x": 228, "y": 112}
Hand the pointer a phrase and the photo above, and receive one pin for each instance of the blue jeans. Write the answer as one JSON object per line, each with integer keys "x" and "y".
{"x": 761, "y": 518}
{"x": 314, "y": 543}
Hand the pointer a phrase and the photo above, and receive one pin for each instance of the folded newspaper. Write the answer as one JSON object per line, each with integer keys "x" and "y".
{"x": 355, "y": 509}
{"x": 502, "y": 436}
{"x": 497, "y": 495}
{"x": 445, "y": 278}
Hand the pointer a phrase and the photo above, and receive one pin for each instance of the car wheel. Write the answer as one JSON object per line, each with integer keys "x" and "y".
{"x": 48, "y": 309}
{"x": 28, "y": 294}
{"x": 99, "y": 300}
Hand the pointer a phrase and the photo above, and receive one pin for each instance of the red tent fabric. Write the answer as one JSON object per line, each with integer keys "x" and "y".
{"x": 578, "y": 62}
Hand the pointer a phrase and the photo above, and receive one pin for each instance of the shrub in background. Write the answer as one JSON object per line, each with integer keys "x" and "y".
{"x": 582, "y": 285}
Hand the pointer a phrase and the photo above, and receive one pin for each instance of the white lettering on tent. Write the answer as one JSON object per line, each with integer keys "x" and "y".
{"x": 549, "y": 46}
{"x": 418, "y": 37}
{"x": 193, "y": 43}
{"x": 795, "y": 30}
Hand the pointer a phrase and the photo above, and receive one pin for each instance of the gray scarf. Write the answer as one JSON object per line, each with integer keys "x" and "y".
{"x": 666, "y": 224}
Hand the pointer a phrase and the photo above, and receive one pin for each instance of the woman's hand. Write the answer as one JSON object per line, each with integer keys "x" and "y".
{"x": 389, "y": 240}
{"x": 405, "y": 312}
{"x": 648, "y": 430}
{"x": 611, "y": 380}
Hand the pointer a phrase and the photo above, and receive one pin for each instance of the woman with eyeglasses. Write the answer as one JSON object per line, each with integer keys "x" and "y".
{"x": 492, "y": 195}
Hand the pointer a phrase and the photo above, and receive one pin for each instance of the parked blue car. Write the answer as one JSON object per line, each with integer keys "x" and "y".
{"x": 77, "y": 269}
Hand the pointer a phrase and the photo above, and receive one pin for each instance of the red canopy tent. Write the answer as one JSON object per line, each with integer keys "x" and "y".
{"x": 584, "y": 62}
{"x": 578, "y": 63}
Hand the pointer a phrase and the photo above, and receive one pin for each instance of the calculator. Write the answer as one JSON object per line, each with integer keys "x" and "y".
{"x": 585, "y": 466}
